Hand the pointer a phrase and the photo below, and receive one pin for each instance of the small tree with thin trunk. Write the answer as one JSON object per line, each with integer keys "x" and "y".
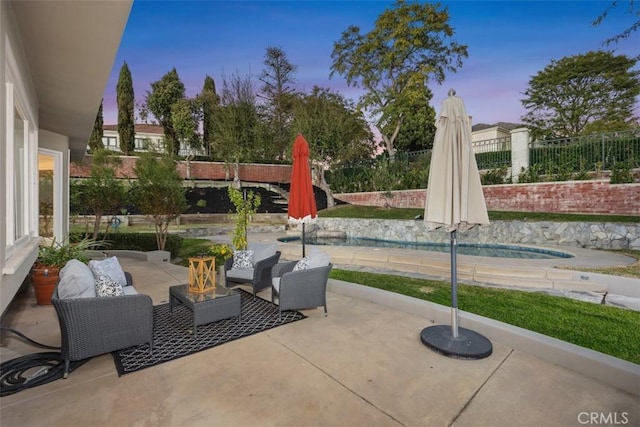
{"x": 103, "y": 191}
{"x": 159, "y": 192}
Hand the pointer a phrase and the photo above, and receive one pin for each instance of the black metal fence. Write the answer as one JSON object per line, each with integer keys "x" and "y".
{"x": 596, "y": 152}
{"x": 561, "y": 158}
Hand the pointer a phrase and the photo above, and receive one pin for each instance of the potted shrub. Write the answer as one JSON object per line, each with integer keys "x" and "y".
{"x": 221, "y": 252}
{"x": 51, "y": 258}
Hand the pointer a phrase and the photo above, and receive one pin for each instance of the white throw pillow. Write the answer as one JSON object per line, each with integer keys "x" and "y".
{"x": 303, "y": 264}
{"x": 109, "y": 267}
{"x": 262, "y": 251}
{"x": 317, "y": 258}
{"x": 242, "y": 260}
{"x": 107, "y": 287}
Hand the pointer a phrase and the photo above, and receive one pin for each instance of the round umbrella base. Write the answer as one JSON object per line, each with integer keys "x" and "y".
{"x": 468, "y": 345}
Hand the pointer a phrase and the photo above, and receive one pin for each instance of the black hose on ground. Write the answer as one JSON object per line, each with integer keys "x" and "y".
{"x": 32, "y": 370}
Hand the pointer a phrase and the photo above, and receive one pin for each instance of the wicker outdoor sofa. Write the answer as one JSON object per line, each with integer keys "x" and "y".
{"x": 93, "y": 325}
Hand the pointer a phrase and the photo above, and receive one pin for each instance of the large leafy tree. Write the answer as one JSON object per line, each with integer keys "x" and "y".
{"x": 95, "y": 139}
{"x": 277, "y": 78}
{"x": 237, "y": 128}
{"x": 160, "y": 100}
{"x": 185, "y": 116}
{"x": 126, "y": 102}
{"x": 210, "y": 101}
{"x": 633, "y": 8}
{"x": 576, "y": 94}
{"x": 336, "y": 131}
{"x": 159, "y": 192}
{"x": 410, "y": 44}
{"x": 418, "y": 127}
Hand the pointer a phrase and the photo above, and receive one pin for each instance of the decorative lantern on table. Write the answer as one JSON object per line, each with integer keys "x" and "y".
{"x": 202, "y": 274}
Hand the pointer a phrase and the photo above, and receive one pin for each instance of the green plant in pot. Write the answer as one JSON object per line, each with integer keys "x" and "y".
{"x": 51, "y": 258}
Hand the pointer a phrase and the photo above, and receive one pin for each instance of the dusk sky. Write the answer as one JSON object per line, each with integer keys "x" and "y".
{"x": 508, "y": 42}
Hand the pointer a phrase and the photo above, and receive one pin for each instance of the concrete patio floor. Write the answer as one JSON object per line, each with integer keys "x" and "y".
{"x": 362, "y": 365}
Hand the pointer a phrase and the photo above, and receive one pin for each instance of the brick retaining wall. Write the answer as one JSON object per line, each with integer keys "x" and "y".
{"x": 598, "y": 197}
{"x": 213, "y": 171}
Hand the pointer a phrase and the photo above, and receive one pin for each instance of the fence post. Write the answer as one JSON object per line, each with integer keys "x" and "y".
{"x": 519, "y": 151}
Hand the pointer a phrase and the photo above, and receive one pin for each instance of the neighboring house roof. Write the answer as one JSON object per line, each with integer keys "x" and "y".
{"x": 504, "y": 125}
{"x": 70, "y": 49}
{"x": 140, "y": 128}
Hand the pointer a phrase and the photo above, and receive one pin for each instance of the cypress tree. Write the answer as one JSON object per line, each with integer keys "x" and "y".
{"x": 95, "y": 140}
{"x": 209, "y": 103}
{"x": 126, "y": 124}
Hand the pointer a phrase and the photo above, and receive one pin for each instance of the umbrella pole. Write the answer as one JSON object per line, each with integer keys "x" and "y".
{"x": 454, "y": 285}
{"x": 460, "y": 343}
{"x": 303, "y": 254}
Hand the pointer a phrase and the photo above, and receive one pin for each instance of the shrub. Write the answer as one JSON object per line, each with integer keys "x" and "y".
{"x": 221, "y": 252}
{"x": 494, "y": 176}
{"x": 621, "y": 173}
{"x": 135, "y": 241}
{"x": 531, "y": 174}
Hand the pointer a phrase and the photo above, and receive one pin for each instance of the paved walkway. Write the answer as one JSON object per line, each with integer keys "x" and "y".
{"x": 363, "y": 365}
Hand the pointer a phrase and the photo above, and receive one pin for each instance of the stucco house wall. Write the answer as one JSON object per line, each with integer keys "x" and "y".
{"x": 51, "y": 82}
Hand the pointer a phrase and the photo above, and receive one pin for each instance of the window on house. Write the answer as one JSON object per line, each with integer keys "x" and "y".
{"x": 140, "y": 143}
{"x": 110, "y": 143}
{"x": 19, "y": 175}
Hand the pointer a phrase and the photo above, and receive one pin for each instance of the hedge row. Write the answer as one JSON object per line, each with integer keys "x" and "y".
{"x": 134, "y": 241}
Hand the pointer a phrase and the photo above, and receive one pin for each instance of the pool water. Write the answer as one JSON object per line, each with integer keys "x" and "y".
{"x": 480, "y": 249}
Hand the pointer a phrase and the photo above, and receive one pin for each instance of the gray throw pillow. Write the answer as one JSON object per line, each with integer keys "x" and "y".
{"x": 109, "y": 267}
{"x": 262, "y": 251}
{"x": 76, "y": 281}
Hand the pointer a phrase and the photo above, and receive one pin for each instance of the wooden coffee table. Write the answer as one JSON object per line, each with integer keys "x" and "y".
{"x": 206, "y": 307}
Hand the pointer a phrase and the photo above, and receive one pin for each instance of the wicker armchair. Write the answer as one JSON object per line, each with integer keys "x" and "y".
{"x": 300, "y": 289}
{"x": 93, "y": 326}
{"x": 259, "y": 277}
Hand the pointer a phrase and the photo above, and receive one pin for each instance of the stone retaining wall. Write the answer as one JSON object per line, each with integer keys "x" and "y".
{"x": 577, "y": 234}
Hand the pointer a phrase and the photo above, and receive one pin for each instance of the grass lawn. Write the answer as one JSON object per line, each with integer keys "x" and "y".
{"x": 606, "y": 329}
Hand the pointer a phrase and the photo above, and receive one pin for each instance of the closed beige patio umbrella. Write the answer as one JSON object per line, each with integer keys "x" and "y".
{"x": 455, "y": 202}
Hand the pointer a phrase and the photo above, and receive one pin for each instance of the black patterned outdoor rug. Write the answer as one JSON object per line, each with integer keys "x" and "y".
{"x": 173, "y": 332}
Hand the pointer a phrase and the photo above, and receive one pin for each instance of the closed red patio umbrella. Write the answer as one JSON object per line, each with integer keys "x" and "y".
{"x": 302, "y": 201}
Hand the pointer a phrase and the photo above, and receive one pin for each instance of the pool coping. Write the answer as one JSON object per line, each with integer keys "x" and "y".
{"x": 535, "y": 274}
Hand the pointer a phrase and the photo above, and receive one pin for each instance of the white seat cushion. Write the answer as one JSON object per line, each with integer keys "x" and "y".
{"x": 240, "y": 274}
{"x": 129, "y": 290}
{"x": 276, "y": 284}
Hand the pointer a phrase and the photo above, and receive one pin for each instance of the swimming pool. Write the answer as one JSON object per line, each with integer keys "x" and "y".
{"x": 480, "y": 249}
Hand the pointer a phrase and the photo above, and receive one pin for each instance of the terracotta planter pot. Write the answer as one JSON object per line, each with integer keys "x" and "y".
{"x": 44, "y": 283}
